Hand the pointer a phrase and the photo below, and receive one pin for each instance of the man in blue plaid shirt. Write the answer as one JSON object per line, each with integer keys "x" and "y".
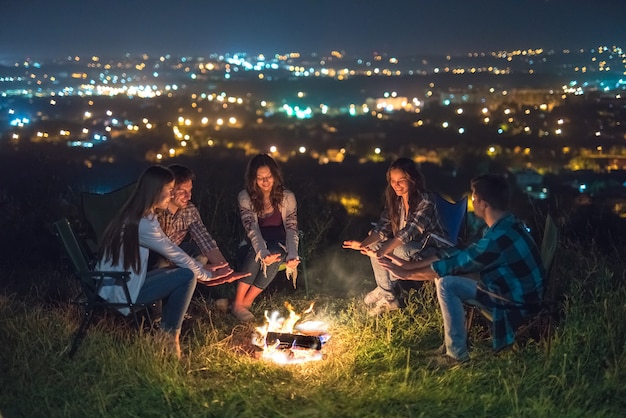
{"x": 507, "y": 260}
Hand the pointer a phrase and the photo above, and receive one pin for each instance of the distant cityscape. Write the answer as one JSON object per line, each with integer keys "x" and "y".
{"x": 540, "y": 112}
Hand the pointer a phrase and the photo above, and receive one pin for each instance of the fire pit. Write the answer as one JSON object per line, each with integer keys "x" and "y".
{"x": 287, "y": 341}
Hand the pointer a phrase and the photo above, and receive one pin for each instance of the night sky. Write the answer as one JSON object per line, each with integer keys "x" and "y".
{"x": 58, "y": 28}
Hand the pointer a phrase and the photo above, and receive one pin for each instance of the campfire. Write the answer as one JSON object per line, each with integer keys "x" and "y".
{"x": 288, "y": 341}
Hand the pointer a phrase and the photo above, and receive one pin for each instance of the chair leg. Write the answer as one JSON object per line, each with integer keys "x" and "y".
{"x": 469, "y": 319}
{"x": 82, "y": 330}
{"x": 140, "y": 321}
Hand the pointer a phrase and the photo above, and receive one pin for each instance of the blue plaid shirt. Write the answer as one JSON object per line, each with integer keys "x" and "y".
{"x": 509, "y": 264}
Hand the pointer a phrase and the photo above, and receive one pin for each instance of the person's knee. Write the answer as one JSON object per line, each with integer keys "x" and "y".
{"x": 263, "y": 283}
{"x": 441, "y": 282}
{"x": 404, "y": 252}
{"x": 187, "y": 276}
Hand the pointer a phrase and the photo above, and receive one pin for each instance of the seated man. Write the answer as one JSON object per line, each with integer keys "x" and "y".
{"x": 182, "y": 217}
{"x": 507, "y": 260}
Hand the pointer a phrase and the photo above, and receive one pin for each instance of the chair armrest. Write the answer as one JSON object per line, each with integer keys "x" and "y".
{"x": 440, "y": 240}
{"x": 101, "y": 275}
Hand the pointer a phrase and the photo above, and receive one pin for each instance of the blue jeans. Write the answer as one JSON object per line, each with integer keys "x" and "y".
{"x": 384, "y": 279}
{"x": 253, "y": 266}
{"x": 175, "y": 286}
{"x": 452, "y": 291}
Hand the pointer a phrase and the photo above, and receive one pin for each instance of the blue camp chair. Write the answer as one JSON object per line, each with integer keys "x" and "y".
{"x": 99, "y": 210}
{"x": 452, "y": 216}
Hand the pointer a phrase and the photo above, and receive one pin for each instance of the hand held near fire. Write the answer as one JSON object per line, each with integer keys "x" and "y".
{"x": 395, "y": 260}
{"x": 293, "y": 263}
{"x": 236, "y": 275}
{"x": 218, "y": 270}
{"x": 395, "y": 269}
{"x": 352, "y": 245}
{"x": 271, "y": 259}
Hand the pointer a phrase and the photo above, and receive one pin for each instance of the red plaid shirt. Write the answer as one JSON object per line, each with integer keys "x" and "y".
{"x": 186, "y": 220}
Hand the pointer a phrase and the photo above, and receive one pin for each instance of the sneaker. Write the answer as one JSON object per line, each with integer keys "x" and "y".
{"x": 374, "y": 296}
{"x": 446, "y": 362}
{"x": 244, "y": 315}
{"x": 384, "y": 305}
{"x": 439, "y": 351}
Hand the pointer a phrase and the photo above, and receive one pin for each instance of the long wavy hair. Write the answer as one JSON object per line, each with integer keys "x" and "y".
{"x": 121, "y": 237}
{"x": 417, "y": 186}
{"x": 256, "y": 195}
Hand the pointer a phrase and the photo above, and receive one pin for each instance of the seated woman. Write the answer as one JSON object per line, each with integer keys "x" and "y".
{"x": 269, "y": 217}
{"x": 404, "y": 227}
{"x": 125, "y": 246}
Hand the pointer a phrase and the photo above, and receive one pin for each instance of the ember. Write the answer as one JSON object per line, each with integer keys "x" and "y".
{"x": 284, "y": 340}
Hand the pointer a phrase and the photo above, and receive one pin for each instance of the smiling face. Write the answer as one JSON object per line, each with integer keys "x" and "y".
{"x": 399, "y": 182}
{"x": 165, "y": 196}
{"x": 264, "y": 179}
{"x": 181, "y": 195}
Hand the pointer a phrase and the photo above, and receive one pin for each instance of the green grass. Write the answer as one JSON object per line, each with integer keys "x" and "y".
{"x": 373, "y": 366}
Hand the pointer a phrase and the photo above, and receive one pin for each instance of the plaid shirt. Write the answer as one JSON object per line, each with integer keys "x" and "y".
{"x": 420, "y": 223}
{"x": 186, "y": 220}
{"x": 510, "y": 266}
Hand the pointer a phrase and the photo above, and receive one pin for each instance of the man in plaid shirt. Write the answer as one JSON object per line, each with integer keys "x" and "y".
{"x": 507, "y": 260}
{"x": 182, "y": 217}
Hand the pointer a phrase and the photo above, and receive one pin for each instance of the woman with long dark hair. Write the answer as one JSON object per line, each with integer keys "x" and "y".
{"x": 269, "y": 216}
{"x": 125, "y": 246}
{"x": 403, "y": 229}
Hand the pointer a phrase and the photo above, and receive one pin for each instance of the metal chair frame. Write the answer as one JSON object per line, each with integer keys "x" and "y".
{"x": 91, "y": 281}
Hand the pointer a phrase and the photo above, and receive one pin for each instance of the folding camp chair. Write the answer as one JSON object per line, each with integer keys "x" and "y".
{"x": 99, "y": 209}
{"x": 452, "y": 216}
{"x": 91, "y": 281}
{"x": 541, "y": 324}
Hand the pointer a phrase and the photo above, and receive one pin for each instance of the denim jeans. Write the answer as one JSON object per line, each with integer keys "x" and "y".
{"x": 452, "y": 291}
{"x": 384, "y": 279}
{"x": 175, "y": 286}
{"x": 251, "y": 265}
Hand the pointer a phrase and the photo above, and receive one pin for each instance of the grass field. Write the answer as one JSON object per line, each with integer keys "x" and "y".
{"x": 372, "y": 367}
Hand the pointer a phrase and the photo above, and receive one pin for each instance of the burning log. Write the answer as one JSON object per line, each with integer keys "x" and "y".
{"x": 286, "y": 341}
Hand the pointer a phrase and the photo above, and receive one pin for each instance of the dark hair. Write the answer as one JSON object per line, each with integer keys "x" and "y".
{"x": 182, "y": 174}
{"x": 417, "y": 186}
{"x": 493, "y": 189}
{"x": 123, "y": 230}
{"x": 256, "y": 196}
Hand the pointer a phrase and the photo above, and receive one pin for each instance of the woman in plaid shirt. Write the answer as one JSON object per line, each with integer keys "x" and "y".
{"x": 404, "y": 227}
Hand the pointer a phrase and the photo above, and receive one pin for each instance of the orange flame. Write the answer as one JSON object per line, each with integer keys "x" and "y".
{"x": 277, "y": 324}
